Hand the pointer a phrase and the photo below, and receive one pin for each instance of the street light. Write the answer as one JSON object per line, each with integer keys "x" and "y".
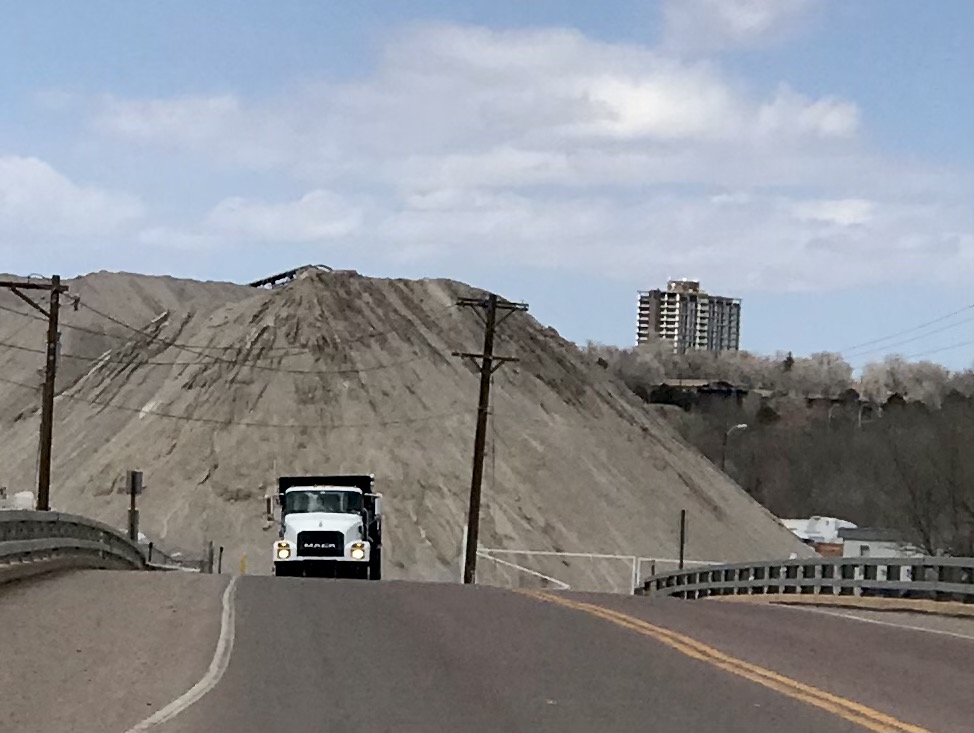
{"x": 723, "y": 452}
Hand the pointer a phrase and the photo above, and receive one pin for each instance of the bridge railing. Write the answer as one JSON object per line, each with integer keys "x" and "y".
{"x": 33, "y": 542}
{"x": 937, "y": 578}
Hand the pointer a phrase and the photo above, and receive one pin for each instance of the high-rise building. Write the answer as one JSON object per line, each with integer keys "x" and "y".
{"x": 689, "y": 318}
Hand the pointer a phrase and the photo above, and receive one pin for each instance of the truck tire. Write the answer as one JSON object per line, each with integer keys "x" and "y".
{"x": 375, "y": 564}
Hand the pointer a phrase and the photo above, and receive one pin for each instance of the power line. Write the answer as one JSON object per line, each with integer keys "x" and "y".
{"x": 264, "y": 367}
{"x": 858, "y": 347}
{"x": 245, "y": 423}
{"x": 938, "y": 350}
{"x": 196, "y": 348}
{"x": 928, "y": 352}
{"x": 916, "y": 338}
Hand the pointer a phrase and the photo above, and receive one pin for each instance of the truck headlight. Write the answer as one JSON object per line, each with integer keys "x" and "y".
{"x": 283, "y": 551}
{"x": 358, "y": 551}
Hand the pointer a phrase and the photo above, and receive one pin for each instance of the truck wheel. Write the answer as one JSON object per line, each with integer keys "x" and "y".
{"x": 375, "y": 565}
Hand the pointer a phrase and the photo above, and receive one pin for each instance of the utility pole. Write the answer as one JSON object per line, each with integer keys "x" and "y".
{"x": 489, "y": 363}
{"x": 683, "y": 536}
{"x": 55, "y": 288}
{"x": 134, "y": 481}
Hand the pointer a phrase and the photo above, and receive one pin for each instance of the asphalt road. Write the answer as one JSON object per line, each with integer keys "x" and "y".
{"x": 98, "y": 650}
{"x": 108, "y": 650}
{"x": 319, "y": 655}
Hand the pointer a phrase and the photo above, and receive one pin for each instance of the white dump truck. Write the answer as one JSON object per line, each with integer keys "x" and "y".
{"x": 330, "y": 526}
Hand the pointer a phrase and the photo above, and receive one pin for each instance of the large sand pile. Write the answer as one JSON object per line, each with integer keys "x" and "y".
{"x": 335, "y": 372}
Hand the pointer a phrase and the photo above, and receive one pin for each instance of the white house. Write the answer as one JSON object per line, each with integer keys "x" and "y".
{"x": 875, "y": 542}
{"x": 817, "y": 530}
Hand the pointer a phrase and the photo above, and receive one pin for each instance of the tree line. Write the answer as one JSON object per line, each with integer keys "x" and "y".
{"x": 810, "y": 448}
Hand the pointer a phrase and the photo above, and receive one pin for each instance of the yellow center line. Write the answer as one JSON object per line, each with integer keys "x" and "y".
{"x": 854, "y": 712}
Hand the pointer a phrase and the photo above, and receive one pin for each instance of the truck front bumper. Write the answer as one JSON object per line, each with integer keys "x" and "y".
{"x": 332, "y": 567}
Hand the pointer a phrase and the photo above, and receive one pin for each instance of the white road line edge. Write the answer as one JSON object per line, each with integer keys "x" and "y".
{"x": 849, "y": 615}
{"x": 218, "y": 665}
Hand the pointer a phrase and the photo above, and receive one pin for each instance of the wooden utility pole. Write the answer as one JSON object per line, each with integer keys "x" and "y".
{"x": 134, "y": 481}
{"x": 489, "y": 363}
{"x": 50, "y": 374}
{"x": 683, "y": 535}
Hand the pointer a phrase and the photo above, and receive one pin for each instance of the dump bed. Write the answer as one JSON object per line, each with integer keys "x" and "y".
{"x": 364, "y": 482}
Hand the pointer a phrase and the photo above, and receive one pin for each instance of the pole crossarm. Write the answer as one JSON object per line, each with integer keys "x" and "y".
{"x": 30, "y": 285}
{"x": 502, "y": 359}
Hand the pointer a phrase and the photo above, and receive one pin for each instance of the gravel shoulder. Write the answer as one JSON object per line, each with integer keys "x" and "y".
{"x": 102, "y": 650}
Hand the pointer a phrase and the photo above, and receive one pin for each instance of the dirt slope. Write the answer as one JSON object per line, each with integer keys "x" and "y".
{"x": 339, "y": 372}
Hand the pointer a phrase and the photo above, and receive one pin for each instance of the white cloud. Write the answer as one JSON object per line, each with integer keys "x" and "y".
{"x": 460, "y": 91}
{"x": 37, "y": 203}
{"x": 551, "y": 149}
{"x": 735, "y": 239}
{"x": 216, "y": 125}
{"x": 791, "y": 114}
{"x": 316, "y": 216}
{"x": 711, "y": 25}
{"x": 186, "y": 241}
{"x": 842, "y": 212}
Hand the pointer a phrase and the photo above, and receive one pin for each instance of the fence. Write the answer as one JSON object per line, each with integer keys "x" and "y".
{"x": 937, "y": 578}
{"x": 586, "y": 571}
{"x": 158, "y": 559}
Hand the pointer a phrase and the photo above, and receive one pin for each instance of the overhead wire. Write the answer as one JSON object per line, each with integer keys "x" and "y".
{"x": 937, "y": 350}
{"x": 200, "y": 347}
{"x": 211, "y": 359}
{"x": 240, "y": 423}
{"x": 200, "y": 350}
{"x": 911, "y": 340}
{"x": 940, "y": 319}
{"x": 192, "y": 348}
{"x": 103, "y": 359}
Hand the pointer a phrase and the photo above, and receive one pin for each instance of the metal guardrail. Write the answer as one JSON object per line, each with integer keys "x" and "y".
{"x": 32, "y": 542}
{"x": 936, "y": 578}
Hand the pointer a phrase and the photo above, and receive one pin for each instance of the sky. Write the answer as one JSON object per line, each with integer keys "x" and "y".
{"x": 814, "y": 158}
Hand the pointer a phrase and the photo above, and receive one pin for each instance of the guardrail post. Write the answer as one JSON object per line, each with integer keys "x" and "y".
{"x": 219, "y": 562}
{"x": 791, "y": 574}
{"x": 847, "y": 572}
{"x": 743, "y": 576}
{"x": 827, "y": 574}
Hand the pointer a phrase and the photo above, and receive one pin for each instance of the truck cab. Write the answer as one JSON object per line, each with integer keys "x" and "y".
{"x": 330, "y": 526}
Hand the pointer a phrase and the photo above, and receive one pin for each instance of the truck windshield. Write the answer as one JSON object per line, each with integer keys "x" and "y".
{"x": 333, "y": 502}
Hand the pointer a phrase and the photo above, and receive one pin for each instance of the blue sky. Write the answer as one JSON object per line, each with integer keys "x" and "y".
{"x": 813, "y": 157}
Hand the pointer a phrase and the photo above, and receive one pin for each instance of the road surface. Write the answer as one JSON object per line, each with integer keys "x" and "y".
{"x": 322, "y": 655}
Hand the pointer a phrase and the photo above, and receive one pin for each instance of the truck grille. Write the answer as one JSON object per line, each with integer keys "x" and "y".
{"x": 321, "y": 544}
